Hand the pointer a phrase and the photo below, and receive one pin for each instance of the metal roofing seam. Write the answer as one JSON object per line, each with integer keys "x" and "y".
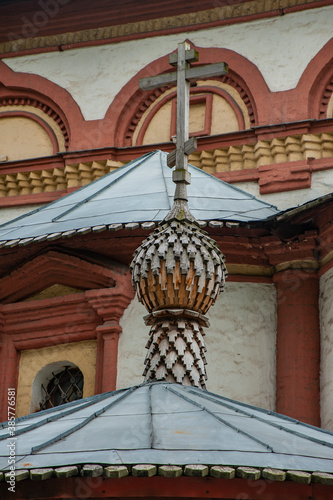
{"x": 81, "y": 424}
{"x": 151, "y": 419}
{"x": 261, "y": 410}
{"x": 121, "y": 203}
{"x": 85, "y": 200}
{"x": 223, "y": 421}
{"x": 268, "y": 422}
{"x": 52, "y": 418}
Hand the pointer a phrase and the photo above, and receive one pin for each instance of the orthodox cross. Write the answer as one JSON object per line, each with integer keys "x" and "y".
{"x": 182, "y": 77}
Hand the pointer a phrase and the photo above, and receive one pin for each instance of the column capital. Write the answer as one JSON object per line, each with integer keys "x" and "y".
{"x": 110, "y": 303}
{"x": 108, "y": 329}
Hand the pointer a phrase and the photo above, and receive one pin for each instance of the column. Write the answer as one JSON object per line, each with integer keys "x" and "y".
{"x": 107, "y": 356}
{"x": 298, "y": 345}
{"x": 9, "y": 359}
{"x": 109, "y": 304}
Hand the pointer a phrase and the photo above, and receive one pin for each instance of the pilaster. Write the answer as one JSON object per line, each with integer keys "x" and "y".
{"x": 294, "y": 258}
{"x": 9, "y": 358}
{"x": 298, "y": 345}
{"x": 109, "y": 304}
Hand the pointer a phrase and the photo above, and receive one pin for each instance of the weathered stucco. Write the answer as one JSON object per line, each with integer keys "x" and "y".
{"x": 326, "y": 332}
{"x": 280, "y": 47}
{"x": 240, "y": 344}
{"x": 131, "y": 349}
{"x": 9, "y": 213}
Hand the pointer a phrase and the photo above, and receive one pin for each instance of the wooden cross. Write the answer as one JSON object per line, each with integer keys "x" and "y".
{"x": 182, "y": 77}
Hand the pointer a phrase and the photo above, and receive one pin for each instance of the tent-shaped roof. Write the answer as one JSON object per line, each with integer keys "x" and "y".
{"x": 141, "y": 191}
{"x": 166, "y": 423}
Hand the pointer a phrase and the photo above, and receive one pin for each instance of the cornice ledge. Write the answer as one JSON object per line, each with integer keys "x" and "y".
{"x": 190, "y": 21}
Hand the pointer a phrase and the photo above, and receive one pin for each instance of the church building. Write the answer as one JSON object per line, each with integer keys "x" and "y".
{"x": 119, "y": 226}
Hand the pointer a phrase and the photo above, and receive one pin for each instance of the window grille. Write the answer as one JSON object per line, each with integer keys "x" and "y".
{"x": 64, "y": 387}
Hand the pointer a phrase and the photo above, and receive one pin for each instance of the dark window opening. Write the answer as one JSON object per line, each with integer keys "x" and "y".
{"x": 64, "y": 387}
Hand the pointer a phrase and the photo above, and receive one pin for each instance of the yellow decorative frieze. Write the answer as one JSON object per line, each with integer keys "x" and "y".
{"x": 228, "y": 159}
{"x": 327, "y": 145}
{"x": 55, "y": 179}
{"x": 281, "y": 150}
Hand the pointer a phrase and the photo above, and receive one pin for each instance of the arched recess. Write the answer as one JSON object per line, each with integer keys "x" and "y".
{"x": 37, "y": 368}
{"x": 44, "y": 393}
{"x": 25, "y": 134}
{"x": 43, "y": 98}
{"x": 317, "y": 84}
{"x": 215, "y": 108}
{"x": 131, "y": 103}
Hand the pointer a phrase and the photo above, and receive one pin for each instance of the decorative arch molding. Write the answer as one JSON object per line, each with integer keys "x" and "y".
{"x": 131, "y": 103}
{"x": 49, "y": 131}
{"x": 326, "y": 99}
{"x": 316, "y": 82}
{"x": 205, "y": 90}
{"x": 22, "y": 89}
{"x": 54, "y": 267}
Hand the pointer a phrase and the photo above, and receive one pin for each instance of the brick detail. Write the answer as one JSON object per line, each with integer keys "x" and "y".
{"x": 109, "y": 304}
{"x": 220, "y": 15}
{"x": 285, "y": 177}
{"x": 9, "y": 360}
{"x": 298, "y": 345}
{"x": 55, "y": 179}
{"x": 279, "y": 165}
{"x": 53, "y": 268}
{"x": 325, "y": 99}
{"x": 27, "y": 101}
{"x": 265, "y": 153}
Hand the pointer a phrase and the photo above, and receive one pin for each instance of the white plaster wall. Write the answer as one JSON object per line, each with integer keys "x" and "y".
{"x": 131, "y": 349}
{"x": 326, "y": 332}
{"x": 241, "y": 343}
{"x": 281, "y": 48}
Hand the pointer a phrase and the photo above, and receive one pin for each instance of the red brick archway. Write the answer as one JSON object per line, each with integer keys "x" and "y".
{"x": 22, "y": 88}
{"x": 130, "y": 103}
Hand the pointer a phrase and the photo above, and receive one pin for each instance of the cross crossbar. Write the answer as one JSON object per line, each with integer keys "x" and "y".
{"x": 182, "y": 77}
{"x": 204, "y": 72}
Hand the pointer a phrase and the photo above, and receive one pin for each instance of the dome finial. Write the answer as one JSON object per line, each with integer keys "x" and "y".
{"x": 178, "y": 270}
{"x": 185, "y": 145}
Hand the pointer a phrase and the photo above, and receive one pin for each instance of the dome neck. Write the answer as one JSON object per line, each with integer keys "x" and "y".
{"x": 177, "y": 272}
{"x": 180, "y": 212}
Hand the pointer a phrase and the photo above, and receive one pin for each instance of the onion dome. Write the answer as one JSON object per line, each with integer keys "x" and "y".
{"x": 178, "y": 266}
{"x": 178, "y": 272}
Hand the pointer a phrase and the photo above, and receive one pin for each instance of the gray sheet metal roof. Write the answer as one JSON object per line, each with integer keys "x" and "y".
{"x": 141, "y": 191}
{"x": 166, "y": 423}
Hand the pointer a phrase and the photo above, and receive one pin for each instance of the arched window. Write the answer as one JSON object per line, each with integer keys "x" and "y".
{"x": 64, "y": 387}
{"x": 56, "y": 384}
